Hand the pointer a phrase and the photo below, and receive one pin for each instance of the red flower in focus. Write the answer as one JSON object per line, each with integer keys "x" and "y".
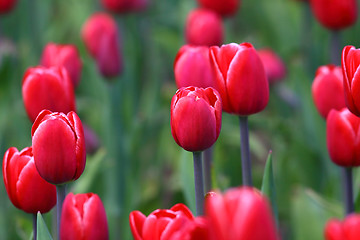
{"x": 274, "y": 67}
{"x": 26, "y": 189}
{"x": 7, "y": 5}
{"x": 224, "y": 7}
{"x": 124, "y": 6}
{"x": 348, "y": 229}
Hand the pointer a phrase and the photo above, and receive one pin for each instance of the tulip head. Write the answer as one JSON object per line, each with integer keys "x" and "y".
{"x": 125, "y": 6}
{"x": 224, "y": 7}
{"x": 58, "y": 146}
{"x": 26, "y": 189}
{"x": 274, "y": 67}
{"x": 196, "y": 118}
{"x": 348, "y": 229}
{"x": 7, "y": 5}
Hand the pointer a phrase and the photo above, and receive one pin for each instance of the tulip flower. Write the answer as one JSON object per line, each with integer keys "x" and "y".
{"x": 26, "y": 189}
{"x": 101, "y": 38}
{"x": 274, "y": 67}
{"x": 192, "y": 67}
{"x": 240, "y": 213}
{"x": 47, "y": 88}
{"x": 204, "y": 28}
{"x": 335, "y": 14}
{"x": 7, "y": 5}
{"x": 327, "y": 89}
{"x": 66, "y": 56}
{"x": 124, "y": 6}
{"x": 224, "y": 7}
{"x": 83, "y": 217}
{"x": 348, "y": 229}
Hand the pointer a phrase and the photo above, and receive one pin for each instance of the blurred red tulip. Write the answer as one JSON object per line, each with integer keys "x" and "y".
{"x": 7, "y": 5}
{"x": 241, "y": 213}
{"x": 334, "y": 230}
{"x": 124, "y": 6}
{"x": 101, "y": 38}
{"x": 26, "y": 189}
{"x": 58, "y": 146}
{"x": 63, "y": 55}
{"x": 224, "y": 7}
{"x": 240, "y": 78}
{"x": 47, "y": 88}
{"x": 343, "y": 137}
{"x": 328, "y": 90}
{"x": 335, "y": 14}
{"x": 83, "y": 217}
{"x": 192, "y": 67}
{"x": 195, "y": 118}
{"x": 274, "y": 67}
{"x": 204, "y": 28}
{"x": 349, "y": 229}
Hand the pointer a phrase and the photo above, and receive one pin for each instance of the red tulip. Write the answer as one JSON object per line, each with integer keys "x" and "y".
{"x": 195, "y": 118}
{"x": 26, "y": 189}
{"x": 224, "y": 7}
{"x": 240, "y": 78}
{"x": 192, "y": 67}
{"x": 47, "y": 88}
{"x": 63, "y": 55}
{"x": 83, "y": 217}
{"x": 334, "y": 230}
{"x": 241, "y": 213}
{"x": 343, "y": 138}
{"x": 328, "y": 90}
{"x": 124, "y": 6}
{"x": 349, "y": 229}
{"x": 58, "y": 146}
{"x": 101, "y": 38}
{"x": 274, "y": 66}
{"x": 7, "y": 5}
{"x": 335, "y": 14}
{"x": 204, "y": 28}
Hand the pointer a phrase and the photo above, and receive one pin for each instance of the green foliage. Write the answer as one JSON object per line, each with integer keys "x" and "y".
{"x": 42, "y": 230}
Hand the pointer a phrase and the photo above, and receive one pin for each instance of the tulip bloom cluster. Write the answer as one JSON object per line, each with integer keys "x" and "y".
{"x": 348, "y": 229}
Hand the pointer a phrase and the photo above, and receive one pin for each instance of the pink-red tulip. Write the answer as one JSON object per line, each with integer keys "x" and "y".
{"x": 224, "y": 7}
{"x": 335, "y": 14}
{"x": 83, "y": 217}
{"x": 102, "y": 40}
{"x": 348, "y": 229}
{"x": 241, "y": 213}
{"x": 66, "y": 56}
{"x": 327, "y": 89}
{"x": 196, "y": 118}
{"x": 7, "y": 5}
{"x": 343, "y": 137}
{"x": 240, "y": 78}
{"x": 58, "y": 146}
{"x": 47, "y": 88}
{"x": 124, "y": 6}
{"x": 204, "y": 28}
{"x": 274, "y": 67}
{"x": 192, "y": 67}
{"x": 26, "y": 189}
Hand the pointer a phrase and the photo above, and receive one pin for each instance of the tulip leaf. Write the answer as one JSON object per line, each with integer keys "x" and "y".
{"x": 187, "y": 179}
{"x": 42, "y": 230}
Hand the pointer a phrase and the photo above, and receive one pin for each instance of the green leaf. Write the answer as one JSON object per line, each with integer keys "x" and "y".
{"x": 187, "y": 179}
{"x": 42, "y": 230}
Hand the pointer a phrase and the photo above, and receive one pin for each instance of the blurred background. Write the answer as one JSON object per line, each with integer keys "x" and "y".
{"x": 138, "y": 165}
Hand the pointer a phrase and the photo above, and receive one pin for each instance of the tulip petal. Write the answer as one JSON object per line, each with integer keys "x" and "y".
{"x": 355, "y": 92}
{"x": 137, "y": 219}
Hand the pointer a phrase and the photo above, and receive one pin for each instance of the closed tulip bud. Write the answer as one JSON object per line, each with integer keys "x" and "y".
{"x": 101, "y": 38}
{"x": 336, "y": 14}
{"x": 192, "y": 67}
{"x": 342, "y": 135}
{"x": 241, "y": 213}
{"x": 63, "y": 55}
{"x": 196, "y": 118}
{"x": 348, "y": 229}
{"x": 334, "y": 230}
{"x": 26, "y": 189}
{"x": 7, "y": 5}
{"x": 125, "y": 6}
{"x": 204, "y": 28}
{"x": 83, "y": 217}
{"x": 240, "y": 78}
{"x": 224, "y": 7}
{"x": 47, "y": 88}
{"x": 328, "y": 90}
{"x": 274, "y": 67}
{"x": 58, "y": 146}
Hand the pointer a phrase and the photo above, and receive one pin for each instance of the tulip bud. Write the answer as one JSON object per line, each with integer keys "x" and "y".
{"x": 101, "y": 38}
{"x": 47, "y": 88}
{"x": 58, "y": 146}
{"x": 342, "y": 135}
{"x": 224, "y": 7}
{"x": 328, "y": 90}
{"x": 240, "y": 78}
{"x": 195, "y": 118}
{"x": 83, "y": 217}
{"x": 192, "y": 67}
{"x": 7, "y": 5}
{"x": 241, "y": 213}
{"x": 348, "y": 229}
{"x": 335, "y": 14}
{"x": 63, "y": 55}
{"x": 124, "y": 6}
{"x": 334, "y": 230}
{"x": 274, "y": 67}
{"x": 26, "y": 189}
{"x": 204, "y": 28}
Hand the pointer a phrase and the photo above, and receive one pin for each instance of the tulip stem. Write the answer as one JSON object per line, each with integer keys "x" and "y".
{"x": 245, "y": 151}
{"x": 60, "y": 196}
{"x": 199, "y": 183}
{"x": 335, "y": 53}
{"x": 34, "y": 225}
{"x": 207, "y": 163}
{"x": 348, "y": 190}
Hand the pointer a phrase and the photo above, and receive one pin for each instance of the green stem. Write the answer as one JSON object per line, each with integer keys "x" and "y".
{"x": 245, "y": 151}
{"x": 34, "y": 216}
{"x": 348, "y": 190}
{"x": 60, "y": 197}
{"x": 207, "y": 163}
{"x": 199, "y": 183}
{"x": 335, "y": 48}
